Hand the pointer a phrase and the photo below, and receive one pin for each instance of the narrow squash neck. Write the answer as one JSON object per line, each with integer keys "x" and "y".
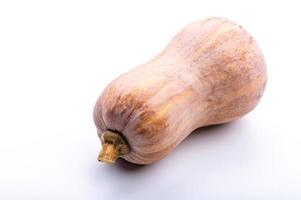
{"x": 113, "y": 146}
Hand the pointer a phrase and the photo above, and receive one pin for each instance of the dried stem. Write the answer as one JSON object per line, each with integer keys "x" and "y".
{"x": 113, "y": 146}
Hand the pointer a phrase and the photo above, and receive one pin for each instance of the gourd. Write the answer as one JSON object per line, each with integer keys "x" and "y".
{"x": 212, "y": 72}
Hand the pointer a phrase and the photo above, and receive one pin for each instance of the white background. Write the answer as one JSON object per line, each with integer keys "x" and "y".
{"x": 57, "y": 56}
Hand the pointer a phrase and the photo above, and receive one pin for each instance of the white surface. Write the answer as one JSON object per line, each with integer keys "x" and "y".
{"x": 57, "y": 56}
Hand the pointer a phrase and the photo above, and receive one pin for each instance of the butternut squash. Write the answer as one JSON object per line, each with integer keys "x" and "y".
{"x": 212, "y": 72}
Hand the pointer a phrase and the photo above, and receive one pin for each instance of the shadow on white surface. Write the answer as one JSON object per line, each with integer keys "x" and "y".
{"x": 207, "y": 158}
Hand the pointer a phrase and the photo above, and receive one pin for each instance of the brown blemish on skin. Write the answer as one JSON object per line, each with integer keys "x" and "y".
{"x": 123, "y": 108}
{"x": 150, "y": 126}
{"x": 154, "y": 121}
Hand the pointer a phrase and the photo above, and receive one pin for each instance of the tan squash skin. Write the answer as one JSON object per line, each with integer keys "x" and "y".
{"x": 212, "y": 72}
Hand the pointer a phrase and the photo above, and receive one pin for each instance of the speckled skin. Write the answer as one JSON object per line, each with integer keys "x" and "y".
{"x": 212, "y": 72}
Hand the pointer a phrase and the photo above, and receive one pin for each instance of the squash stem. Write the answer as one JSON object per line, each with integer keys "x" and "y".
{"x": 113, "y": 146}
{"x": 108, "y": 153}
